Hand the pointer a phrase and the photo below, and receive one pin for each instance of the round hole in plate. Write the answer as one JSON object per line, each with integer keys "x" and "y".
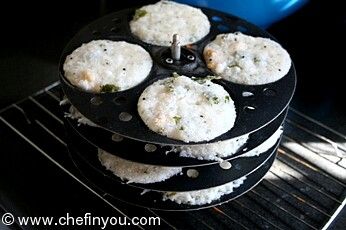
{"x": 225, "y": 165}
{"x": 96, "y": 101}
{"x": 269, "y": 92}
{"x": 216, "y": 18}
{"x": 249, "y": 108}
{"x": 124, "y": 116}
{"x": 117, "y": 138}
{"x": 115, "y": 29}
{"x": 223, "y": 28}
{"x": 150, "y": 148}
{"x": 247, "y": 94}
{"x": 192, "y": 173}
{"x": 119, "y": 100}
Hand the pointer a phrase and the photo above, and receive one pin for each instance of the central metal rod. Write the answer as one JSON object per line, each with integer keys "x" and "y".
{"x": 175, "y": 48}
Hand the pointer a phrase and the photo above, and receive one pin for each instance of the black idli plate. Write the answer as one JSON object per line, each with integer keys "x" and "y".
{"x": 180, "y": 183}
{"x": 133, "y": 150}
{"x": 253, "y": 112}
{"x": 121, "y": 192}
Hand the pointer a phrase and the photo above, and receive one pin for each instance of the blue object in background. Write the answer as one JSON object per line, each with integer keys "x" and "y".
{"x": 262, "y": 13}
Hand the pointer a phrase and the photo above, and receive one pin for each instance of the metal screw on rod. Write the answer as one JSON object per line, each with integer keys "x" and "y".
{"x": 175, "y": 48}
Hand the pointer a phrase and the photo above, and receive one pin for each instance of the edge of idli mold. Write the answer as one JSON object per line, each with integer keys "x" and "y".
{"x": 151, "y": 199}
{"x": 239, "y": 167}
{"x": 135, "y": 151}
{"x": 254, "y": 112}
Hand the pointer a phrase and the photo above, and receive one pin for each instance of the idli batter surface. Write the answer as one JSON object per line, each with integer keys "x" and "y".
{"x": 107, "y": 66}
{"x": 212, "y": 151}
{"x": 135, "y": 172}
{"x": 204, "y": 196}
{"x": 248, "y": 60}
{"x": 187, "y": 109}
{"x": 156, "y": 23}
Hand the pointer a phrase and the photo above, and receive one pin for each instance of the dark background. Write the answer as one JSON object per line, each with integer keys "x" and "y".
{"x": 33, "y": 35}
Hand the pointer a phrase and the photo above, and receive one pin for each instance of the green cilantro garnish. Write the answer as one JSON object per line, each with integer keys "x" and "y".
{"x": 256, "y": 60}
{"x": 177, "y": 119}
{"x": 235, "y": 65}
{"x": 139, "y": 13}
{"x": 109, "y": 88}
{"x": 215, "y": 100}
{"x": 202, "y": 80}
{"x": 170, "y": 88}
{"x": 212, "y": 98}
{"x": 227, "y": 99}
{"x": 169, "y": 84}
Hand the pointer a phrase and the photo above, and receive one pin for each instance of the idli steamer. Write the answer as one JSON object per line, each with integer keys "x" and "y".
{"x": 261, "y": 109}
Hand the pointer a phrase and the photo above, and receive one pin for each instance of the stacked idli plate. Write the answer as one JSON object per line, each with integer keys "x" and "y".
{"x": 173, "y": 137}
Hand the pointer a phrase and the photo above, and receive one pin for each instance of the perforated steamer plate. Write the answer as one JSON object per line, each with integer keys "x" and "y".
{"x": 208, "y": 175}
{"x": 136, "y": 151}
{"x": 152, "y": 199}
{"x": 107, "y": 109}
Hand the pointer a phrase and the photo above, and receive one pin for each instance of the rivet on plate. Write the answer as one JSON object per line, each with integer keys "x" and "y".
{"x": 192, "y": 173}
{"x": 150, "y": 148}
{"x": 124, "y": 116}
{"x": 117, "y": 138}
{"x": 225, "y": 165}
{"x": 96, "y": 101}
{"x": 169, "y": 60}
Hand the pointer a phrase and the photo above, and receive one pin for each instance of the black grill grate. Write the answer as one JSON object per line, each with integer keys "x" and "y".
{"x": 303, "y": 190}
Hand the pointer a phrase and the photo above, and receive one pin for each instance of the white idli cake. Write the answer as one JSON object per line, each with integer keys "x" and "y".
{"x": 247, "y": 60}
{"x": 266, "y": 145}
{"x": 155, "y": 24}
{"x": 211, "y": 151}
{"x": 204, "y": 196}
{"x": 135, "y": 172}
{"x": 107, "y": 66}
{"x": 218, "y": 150}
{"x": 185, "y": 109}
